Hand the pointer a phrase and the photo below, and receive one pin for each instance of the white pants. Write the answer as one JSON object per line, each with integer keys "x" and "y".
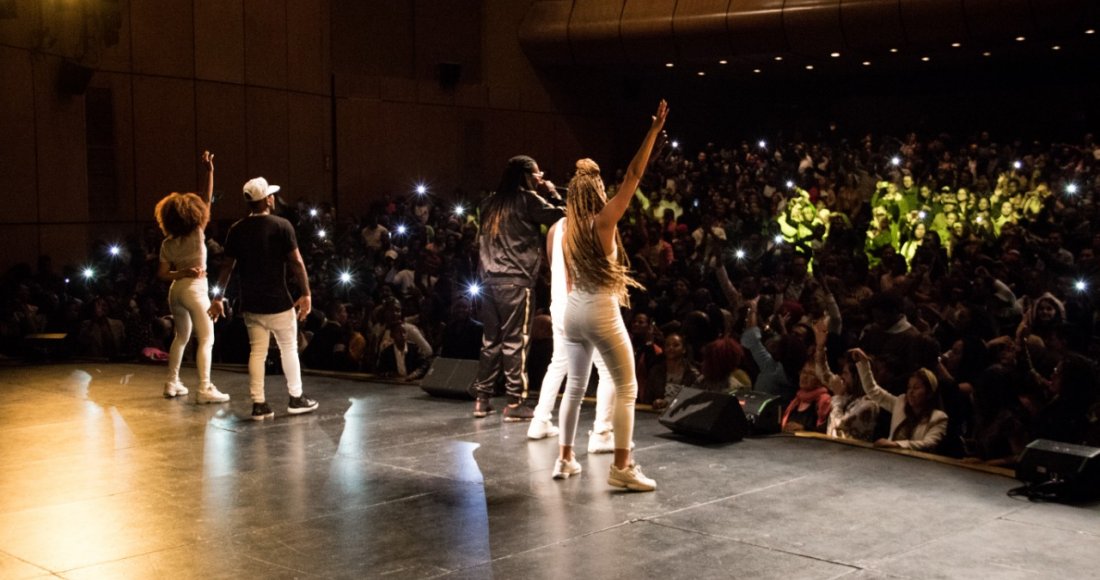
{"x": 593, "y": 323}
{"x": 189, "y": 302}
{"x": 284, "y": 325}
{"x": 556, "y": 372}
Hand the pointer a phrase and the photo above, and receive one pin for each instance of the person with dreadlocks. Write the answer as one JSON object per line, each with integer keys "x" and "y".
{"x": 598, "y": 274}
{"x": 510, "y": 261}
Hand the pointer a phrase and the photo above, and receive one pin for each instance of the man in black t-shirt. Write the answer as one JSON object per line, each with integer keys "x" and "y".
{"x": 261, "y": 246}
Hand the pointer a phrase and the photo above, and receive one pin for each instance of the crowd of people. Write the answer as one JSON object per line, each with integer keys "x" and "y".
{"x": 935, "y": 294}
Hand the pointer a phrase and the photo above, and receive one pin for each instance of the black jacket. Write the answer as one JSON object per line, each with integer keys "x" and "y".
{"x": 513, "y": 254}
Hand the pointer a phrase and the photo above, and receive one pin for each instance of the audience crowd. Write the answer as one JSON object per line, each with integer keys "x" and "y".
{"x": 932, "y": 294}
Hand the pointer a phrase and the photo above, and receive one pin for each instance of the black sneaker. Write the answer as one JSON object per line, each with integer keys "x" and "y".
{"x": 261, "y": 411}
{"x": 518, "y": 412}
{"x": 299, "y": 405}
{"x": 482, "y": 408}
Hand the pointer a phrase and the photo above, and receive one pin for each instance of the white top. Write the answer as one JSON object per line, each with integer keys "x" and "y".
{"x": 559, "y": 293}
{"x": 185, "y": 252}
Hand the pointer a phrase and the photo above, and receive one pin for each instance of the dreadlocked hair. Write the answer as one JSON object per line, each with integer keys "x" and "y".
{"x": 588, "y": 264}
{"x": 499, "y": 205}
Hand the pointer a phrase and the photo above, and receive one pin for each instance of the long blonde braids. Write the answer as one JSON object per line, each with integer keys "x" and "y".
{"x": 588, "y": 264}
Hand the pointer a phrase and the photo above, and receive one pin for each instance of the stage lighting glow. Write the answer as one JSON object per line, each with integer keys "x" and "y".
{"x": 702, "y": 74}
{"x": 1071, "y": 189}
{"x": 778, "y": 58}
{"x": 1021, "y": 38}
{"x": 956, "y": 44}
{"x": 1081, "y": 285}
{"x": 834, "y": 54}
{"x": 866, "y": 63}
{"x": 925, "y": 58}
{"x": 115, "y": 250}
{"x": 894, "y": 50}
{"x": 723, "y": 61}
{"x": 669, "y": 65}
{"x": 473, "y": 290}
{"x": 757, "y": 71}
{"x": 88, "y": 273}
{"x": 895, "y": 161}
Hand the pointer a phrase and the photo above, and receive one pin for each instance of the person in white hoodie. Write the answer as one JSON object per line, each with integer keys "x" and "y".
{"x": 916, "y": 422}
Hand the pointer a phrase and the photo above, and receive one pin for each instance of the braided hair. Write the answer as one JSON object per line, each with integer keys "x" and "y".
{"x": 585, "y": 258}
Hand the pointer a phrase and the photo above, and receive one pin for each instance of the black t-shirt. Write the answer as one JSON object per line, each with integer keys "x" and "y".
{"x": 260, "y": 245}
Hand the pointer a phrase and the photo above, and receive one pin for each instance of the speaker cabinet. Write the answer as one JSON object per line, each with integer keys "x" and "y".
{"x": 1064, "y": 470}
{"x": 707, "y": 415}
{"x": 762, "y": 412}
{"x": 450, "y": 377}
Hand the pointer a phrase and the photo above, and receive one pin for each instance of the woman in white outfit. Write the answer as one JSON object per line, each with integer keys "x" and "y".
{"x": 542, "y": 426}
{"x": 182, "y": 217}
{"x": 598, "y": 275}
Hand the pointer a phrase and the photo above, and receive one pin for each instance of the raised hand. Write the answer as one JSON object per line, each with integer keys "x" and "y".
{"x": 661, "y": 115}
{"x": 208, "y": 160}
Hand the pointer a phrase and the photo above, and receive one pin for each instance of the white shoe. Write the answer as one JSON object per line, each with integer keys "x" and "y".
{"x": 541, "y": 429}
{"x": 210, "y": 394}
{"x": 174, "y": 389}
{"x": 563, "y": 469}
{"x": 631, "y": 478}
{"x": 601, "y": 442}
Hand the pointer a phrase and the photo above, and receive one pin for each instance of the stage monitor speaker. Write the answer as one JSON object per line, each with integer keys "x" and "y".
{"x": 450, "y": 377}
{"x": 1060, "y": 470}
{"x": 706, "y": 414}
{"x": 73, "y": 78}
{"x": 762, "y": 412}
{"x": 449, "y": 74}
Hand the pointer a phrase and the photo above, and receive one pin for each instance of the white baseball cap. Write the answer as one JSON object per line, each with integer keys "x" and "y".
{"x": 257, "y": 189}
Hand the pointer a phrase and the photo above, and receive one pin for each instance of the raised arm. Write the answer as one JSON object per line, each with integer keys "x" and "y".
{"x": 208, "y": 163}
{"x": 610, "y": 215}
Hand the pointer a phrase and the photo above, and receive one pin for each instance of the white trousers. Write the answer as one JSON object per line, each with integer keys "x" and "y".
{"x": 284, "y": 325}
{"x": 593, "y": 323}
{"x": 556, "y": 372}
{"x": 188, "y": 300}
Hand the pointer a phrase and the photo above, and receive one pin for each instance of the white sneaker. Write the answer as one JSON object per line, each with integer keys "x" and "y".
{"x": 541, "y": 429}
{"x": 601, "y": 442}
{"x": 563, "y": 469}
{"x": 210, "y": 394}
{"x": 631, "y": 478}
{"x": 174, "y": 389}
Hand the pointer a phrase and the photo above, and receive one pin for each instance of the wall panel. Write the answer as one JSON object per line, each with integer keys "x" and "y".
{"x": 163, "y": 37}
{"x": 219, "y": 40}
{"x": 60, "y": 148}
{"x": 222, "y": 128}
{"x": 165, "y": 149}
{"x": 17, "y": 148}
{"x": 265, "y": 42}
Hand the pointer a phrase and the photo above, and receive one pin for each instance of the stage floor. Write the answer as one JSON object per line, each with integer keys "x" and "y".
{"x": 104, "y": 478}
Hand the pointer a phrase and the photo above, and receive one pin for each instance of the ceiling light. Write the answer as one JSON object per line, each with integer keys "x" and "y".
{"x": 1056, "y": 47}
{"x": 756, "y": 71}
{"x": 778, "y": 58}
{"x": 701, "y": 73}
{"x": 866, "y": 63}
{"x": 723, "y": 61}
{"x": 669, "y": 65}
{"x": 834, "y": 54}
{"x": 894, "y": 50}
{"x": 1021, "y": 38}
{"x": 956, "y": 44}
{"x": 925, "y": 58}
{"x": 987, "y": 53}
{"x": 809, "y": 67}
{"x": 1090, "y": 31}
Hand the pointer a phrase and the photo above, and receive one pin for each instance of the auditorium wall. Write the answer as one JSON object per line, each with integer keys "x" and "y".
{"x": 257, "y": 82}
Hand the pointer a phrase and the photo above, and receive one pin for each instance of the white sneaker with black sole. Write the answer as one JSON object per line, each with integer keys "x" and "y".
{"x": 301, "y": 405}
